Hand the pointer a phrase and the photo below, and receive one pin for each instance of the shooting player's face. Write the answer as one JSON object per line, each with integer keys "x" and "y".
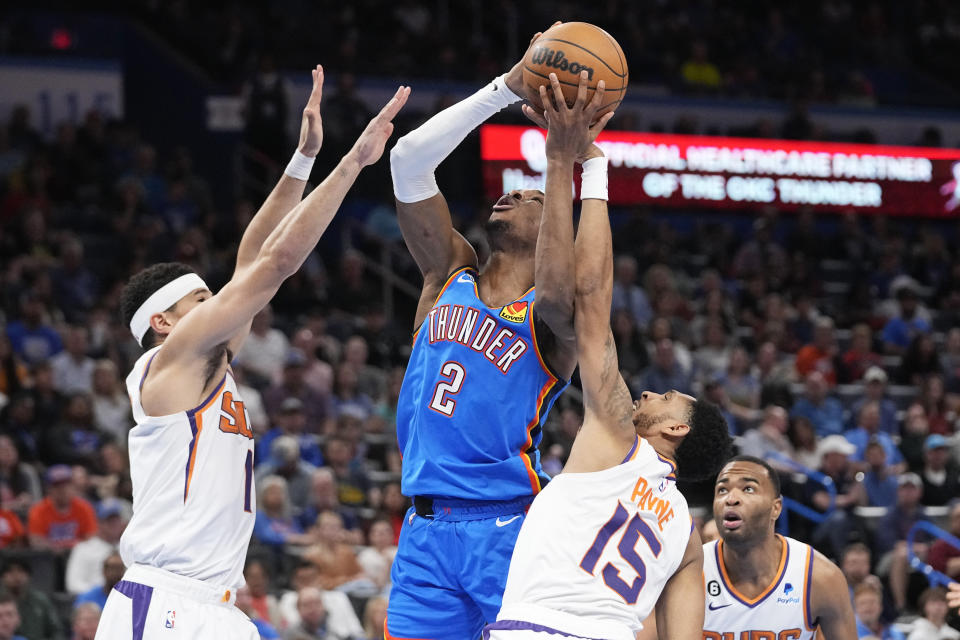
{"x": 745, "y": 506}
{"x": 185, "y": 305}
{"x": 518, "y": 214}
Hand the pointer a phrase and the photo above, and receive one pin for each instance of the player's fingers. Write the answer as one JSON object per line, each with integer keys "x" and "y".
{"x": 557, "y": 91}
{"x": 600, "y": 124}
{"x": 317, "y": 94}
{"x": 581, "y": 91}
{"x": 533, "y": 116}
{"x": 396, "y": 103}
{"x": 597, "y": 100}
{"x": 546, "y": 100}
{"x": 534, "y": 38}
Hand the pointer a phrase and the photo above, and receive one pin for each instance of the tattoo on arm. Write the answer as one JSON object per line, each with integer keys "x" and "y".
{"x": 616, "y": 400}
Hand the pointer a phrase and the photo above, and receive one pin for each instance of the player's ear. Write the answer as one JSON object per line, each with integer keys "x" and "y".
{"x": 677, "y": 430}
{"x": 160, "y": 323}
{"x": 777, "y": 508}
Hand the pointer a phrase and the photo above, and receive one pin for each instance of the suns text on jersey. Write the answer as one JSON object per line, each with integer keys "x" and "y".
{"x": 456, "y": 323}
{"x": 643, "y": 496}
{"x": 753, "y": 634}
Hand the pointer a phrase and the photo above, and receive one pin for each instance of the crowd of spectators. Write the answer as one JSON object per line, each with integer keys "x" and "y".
{"x": 829, "y": 51}
{"x": 829, "y": 342}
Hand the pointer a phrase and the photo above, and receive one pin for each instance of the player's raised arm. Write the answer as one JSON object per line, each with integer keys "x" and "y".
{"x": 283, "y": 251}
{"x": 289, "y": 189}
{"x": 423, "y": 214}
{"x": 608, "y": 432}
{"x": 830, "y": 601}
{"x": 680, "y": 607}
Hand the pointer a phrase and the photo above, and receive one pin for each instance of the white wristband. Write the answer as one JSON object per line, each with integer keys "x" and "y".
{"x": 299, "y": 166}
{"x": 593, "y": 179}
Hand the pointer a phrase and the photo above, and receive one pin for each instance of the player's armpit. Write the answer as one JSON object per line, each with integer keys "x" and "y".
{"x": 680, "y": 607}
{"x": 830, "y": 601}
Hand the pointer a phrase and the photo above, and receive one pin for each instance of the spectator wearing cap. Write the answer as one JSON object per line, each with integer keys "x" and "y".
{"x": 275, "y": 525}
{"x": 38, "y": 617}
{"x": 879, "y": 480}
{"x": 285, "y": 461}
{"x": 820, "y": 354}
{"x": 932, "y": 623}
{"x": 264, "y": 350}
{"x": 875, "y": 389}
{"x": 9, "y": 618}
{"x": 19, "y": 484}
{"x": 891, "y": 535}
{"x": 291, "y": 421}
{"x": 62, "y": 519}
{"x": 860, "y": 357}
{"x": 315, "y": 406}
{"x": 868, "y": 430}
{"x": 72, "y": 367}
{"x": 834, "y": 532}
{"x": 940, "y": 482}
{"x": 824, "y": 411}
{"x": 907, "y": 323}
{"x": 111, "y": 573}
{"x": 943, "y": 556}
{"x": 86, "y": 557}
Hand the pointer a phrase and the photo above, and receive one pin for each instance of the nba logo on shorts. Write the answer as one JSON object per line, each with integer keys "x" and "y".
{"x": 171, "y": 619}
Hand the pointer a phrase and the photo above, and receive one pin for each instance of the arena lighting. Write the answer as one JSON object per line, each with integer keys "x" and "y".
{"x": 742, "y": 173}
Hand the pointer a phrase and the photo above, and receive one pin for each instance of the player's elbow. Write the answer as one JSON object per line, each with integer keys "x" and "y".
{"x": 279, "y": 263}
{"x": 402, "y": 152}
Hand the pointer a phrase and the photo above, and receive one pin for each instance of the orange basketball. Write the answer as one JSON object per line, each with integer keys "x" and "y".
{"x": 566, "y": 50}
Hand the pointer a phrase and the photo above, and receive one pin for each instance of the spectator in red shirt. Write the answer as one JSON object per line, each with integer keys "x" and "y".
{"x": 860, "y": 356}
{"x": 819, "y": 354}
{"x": 943, "y": 556}
{"x": 62, "y": 519}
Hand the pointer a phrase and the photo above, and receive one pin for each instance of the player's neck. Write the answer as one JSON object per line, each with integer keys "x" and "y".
{"x": 664, "y": 447}
{"x": 504, "y": 278}
{"x": 753, "y": 563}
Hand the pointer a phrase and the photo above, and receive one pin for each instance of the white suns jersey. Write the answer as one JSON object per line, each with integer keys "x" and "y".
{"x": 193, "y": 491}
{"x": 780, "y": 612}
{"x": 598, "y": 548}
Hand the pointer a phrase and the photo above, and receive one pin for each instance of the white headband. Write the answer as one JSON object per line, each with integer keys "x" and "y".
{"x": 161, "y": 300}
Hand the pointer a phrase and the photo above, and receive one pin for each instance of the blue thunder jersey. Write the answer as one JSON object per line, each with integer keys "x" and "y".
{"x": 474, "y": 398}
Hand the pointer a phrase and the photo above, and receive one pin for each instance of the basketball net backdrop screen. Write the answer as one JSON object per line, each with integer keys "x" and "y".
{"x": 741, "y": 173}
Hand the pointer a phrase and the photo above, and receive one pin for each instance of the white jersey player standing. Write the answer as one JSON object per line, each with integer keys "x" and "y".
{"x": 191, "y": 451}
{"x": 760, "y": 585}
{"x": 610, "y": 539}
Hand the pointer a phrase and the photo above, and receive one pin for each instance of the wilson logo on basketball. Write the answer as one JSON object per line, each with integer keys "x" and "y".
{"x": 516, "y": 312}
{"x": 558, "y": 60}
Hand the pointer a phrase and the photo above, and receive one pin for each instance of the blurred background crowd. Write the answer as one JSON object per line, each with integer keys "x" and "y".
{"x": 831, "y": 341}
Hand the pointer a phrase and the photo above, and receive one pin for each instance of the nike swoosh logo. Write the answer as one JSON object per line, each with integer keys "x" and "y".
{"x": 503, "y": 524}
{"x": 713, "y": 608}
{"x": 465, "y": 278}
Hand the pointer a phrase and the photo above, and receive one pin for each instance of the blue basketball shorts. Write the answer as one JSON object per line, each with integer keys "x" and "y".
{"x": 451, "y": 569}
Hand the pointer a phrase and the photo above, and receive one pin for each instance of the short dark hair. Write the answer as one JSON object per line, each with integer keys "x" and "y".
{"x": 143, "y": 285}
{"x": 771, "y": 473}
{"x": 20, "y": 563}
{"x": 708, "y": 444}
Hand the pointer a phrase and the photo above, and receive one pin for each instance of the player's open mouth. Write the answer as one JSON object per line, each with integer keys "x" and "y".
{"x": 732, "y": 520}
{"x": 504, "y": 203}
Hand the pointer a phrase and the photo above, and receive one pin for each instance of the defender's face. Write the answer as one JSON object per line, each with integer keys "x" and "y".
{"x": 652, "y": 409}
{"x": 744, "y": 504}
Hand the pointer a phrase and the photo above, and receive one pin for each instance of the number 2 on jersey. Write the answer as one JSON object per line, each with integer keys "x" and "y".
{"x": 628, "y": 551}
{"x": 452, "y": 374}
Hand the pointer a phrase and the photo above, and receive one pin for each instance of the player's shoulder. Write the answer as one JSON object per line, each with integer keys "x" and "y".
{"x": 825, "y": 576}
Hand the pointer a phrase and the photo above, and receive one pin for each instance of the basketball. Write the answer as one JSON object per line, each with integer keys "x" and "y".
{"x": 566, "y": 50}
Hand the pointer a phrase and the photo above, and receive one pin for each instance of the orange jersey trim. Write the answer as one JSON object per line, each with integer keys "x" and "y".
{"x": 536, "y": 344}
{"x": 387, "y": 636}
{"x": 196, "y": 422}
{"x": 527, "y": 461}
{"x": 778, "y": 577}
{"x": 443, "y": 289}
{"x": 807, "y": 584}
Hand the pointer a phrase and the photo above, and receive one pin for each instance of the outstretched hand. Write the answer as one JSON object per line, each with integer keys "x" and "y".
{"x": 369, "y": 146}
{"x": 953, "y": 595}
{"x": 311, "y": 126}
{"x": 570, "y": 130}
{"x": 514, "y": 79}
